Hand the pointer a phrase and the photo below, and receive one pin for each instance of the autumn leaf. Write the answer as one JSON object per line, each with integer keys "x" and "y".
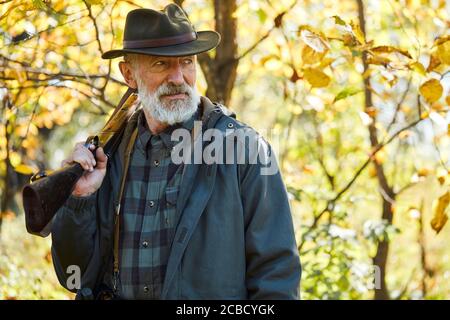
{"x": 434, "y": 62}
{"x": 295, "y": 77}
{"x": 423, "y": 172}
{"x": 359, "y": 35}
{"x": 92, "y": 2}
{"x": 325, "y": 62}
{"x": 443, "y": 52}
{"x": 418, "y": 67}
{"x": 424, "y": 115}
{"x": 39, "y": 4}
{"x": 378, "y": 60}
{"x": 314, "y": 40}
{"x": 279, "y": 19}
{"x": 431, "y": 90}
{"x": 347, "y": 92}
{"x": 24, "y": 169}
{"x": 316, "y": 77}
{"x": 390, "y": 49}
{"x": 441, "y": 40}
{"x": 339, "y": 21}
{"x": 311, "y": 56}
{"x": 381, "y": 156}
{"x": 440, "y": 217}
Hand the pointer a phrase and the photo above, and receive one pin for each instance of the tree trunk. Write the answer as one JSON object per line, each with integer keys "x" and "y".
{"x": 220, "y": 71}
{"x": 387, "y": 194}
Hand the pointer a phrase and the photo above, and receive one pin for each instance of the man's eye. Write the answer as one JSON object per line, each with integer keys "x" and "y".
{"x": 159, "y": 63}
{"x": 187, "y": 61}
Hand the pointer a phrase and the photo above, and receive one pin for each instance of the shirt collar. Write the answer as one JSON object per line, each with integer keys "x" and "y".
{"x": 147, "y": 138}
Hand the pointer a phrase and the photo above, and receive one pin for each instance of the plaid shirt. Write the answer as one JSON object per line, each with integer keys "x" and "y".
{"x": 148, "y": 217}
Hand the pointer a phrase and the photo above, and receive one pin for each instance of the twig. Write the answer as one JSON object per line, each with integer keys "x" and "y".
{"x": 399, "y": 103}
{"x": 97, "y": 37}
{"x": 268, "y": 32}
{"x": 331, "y": 203}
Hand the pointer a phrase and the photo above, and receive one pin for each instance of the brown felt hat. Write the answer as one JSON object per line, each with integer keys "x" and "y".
{"x": 163, "y": 33}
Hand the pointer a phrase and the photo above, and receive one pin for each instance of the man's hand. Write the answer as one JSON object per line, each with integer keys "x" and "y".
{"x": 94, "y": 173}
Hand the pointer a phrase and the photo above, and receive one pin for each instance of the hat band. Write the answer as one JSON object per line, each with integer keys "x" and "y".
{"x": 161, "y": 42}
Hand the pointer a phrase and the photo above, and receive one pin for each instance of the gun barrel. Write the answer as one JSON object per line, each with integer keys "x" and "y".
{"x": 43, "y": 198}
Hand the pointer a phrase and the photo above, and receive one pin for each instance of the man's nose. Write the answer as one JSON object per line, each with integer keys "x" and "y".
{"x": 176, "y": 75}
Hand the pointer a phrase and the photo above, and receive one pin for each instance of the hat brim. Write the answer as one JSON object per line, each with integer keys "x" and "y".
{"x": 206, "y": 40}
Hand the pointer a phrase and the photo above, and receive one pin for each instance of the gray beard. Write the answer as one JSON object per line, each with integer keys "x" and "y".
{"x": 174, "y": 111}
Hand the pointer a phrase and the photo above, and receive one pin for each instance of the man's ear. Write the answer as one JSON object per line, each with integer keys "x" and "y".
{"x": 127, "y": 73}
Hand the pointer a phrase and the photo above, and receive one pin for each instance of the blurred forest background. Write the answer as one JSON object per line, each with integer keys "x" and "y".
{"x": 355, "y": 94}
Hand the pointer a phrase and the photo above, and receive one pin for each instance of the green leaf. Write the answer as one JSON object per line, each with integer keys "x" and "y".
{"x": 339, "y": 21}
{"x": 347, "y": 92}
{"x": 92, "y": 2}
{"x": 39, "y": 4}
{"x": 262, "y": 15}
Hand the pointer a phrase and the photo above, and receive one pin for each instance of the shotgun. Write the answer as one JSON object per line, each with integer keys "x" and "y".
{"x": 46, "y": 193}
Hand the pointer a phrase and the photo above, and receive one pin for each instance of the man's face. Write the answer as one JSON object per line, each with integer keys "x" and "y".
{"x": 166, "y": 85}
{"x": 155, "y": 71}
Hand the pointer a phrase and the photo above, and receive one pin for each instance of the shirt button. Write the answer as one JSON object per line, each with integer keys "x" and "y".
{"x": 167, "y": 221}
{"x": 145, "y": 244}
{"x": 146, "y": 289}
{"x": 151, "y": 203}
{"x": 156, "y": 163}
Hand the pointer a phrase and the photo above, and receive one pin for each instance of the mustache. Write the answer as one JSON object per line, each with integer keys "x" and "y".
{"x": 169, "y": 89}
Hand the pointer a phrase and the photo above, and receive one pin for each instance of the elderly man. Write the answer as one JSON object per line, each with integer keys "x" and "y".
{"x": 184, "y": 230}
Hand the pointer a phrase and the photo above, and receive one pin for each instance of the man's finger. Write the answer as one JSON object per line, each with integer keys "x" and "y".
{"x": 102, "y": 159}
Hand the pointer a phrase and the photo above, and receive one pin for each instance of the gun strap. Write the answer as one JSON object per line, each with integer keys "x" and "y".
{"x": 128, "y": 151}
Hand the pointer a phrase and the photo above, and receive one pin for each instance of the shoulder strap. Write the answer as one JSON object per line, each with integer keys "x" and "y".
{"x": 128, "y": 151}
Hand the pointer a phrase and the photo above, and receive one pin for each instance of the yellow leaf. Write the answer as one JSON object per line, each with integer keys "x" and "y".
{"x": 434, "y": 62}
{"x": 326, "y": 62}
{"x": 357, "y": 32}
{"x": 443, "y": 52}
{"x": 314, "y": 40}
{"x": 424, "y": 115}
{"x": 431, "y": 90}
{"x": 447, "y": 100}
{"x": 24, "y": 169}
{"x": 311, "y": 56}
{"x": 267, "y": 58}
{"x": 418, "y": 67}
{"x": 92, "y": 2}
{"x": 390, "y": 49}
{"x": 378, "y": 60}
{"x": 316, "y": 78}
{"x": 381, "y": 156}
{"x": 372, "y": 171}
{"x": 14, "y": 158}
{"x": 441, "y": 40}
{"x": 440, "y": 218}
{"x": 423, "y": 172}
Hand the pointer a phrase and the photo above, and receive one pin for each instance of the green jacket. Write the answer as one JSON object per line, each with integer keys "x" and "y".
{"x": 234, "y": 240}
